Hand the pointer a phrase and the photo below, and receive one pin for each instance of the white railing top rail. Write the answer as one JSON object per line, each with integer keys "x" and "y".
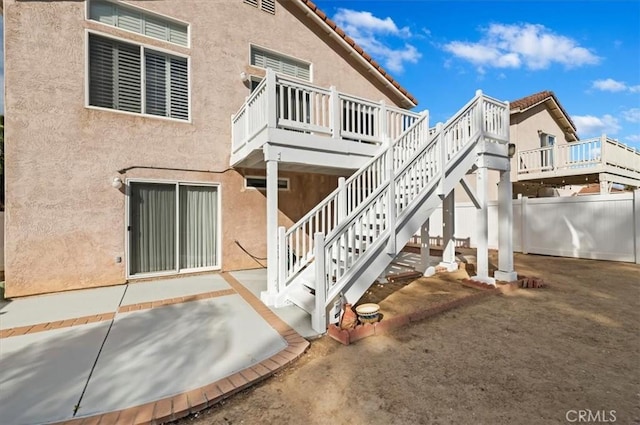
{"x": 359, "y": 187}
{"x": 307, "y": 107}
{"x": 467, "y": 116}
{"x": 580, "y": 154}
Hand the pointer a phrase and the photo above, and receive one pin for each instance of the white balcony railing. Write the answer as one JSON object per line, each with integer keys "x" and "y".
{"x": 286, "y": 103}
{"x": 590, "y": 153}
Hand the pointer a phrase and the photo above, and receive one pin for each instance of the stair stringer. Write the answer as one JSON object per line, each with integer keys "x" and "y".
{"x": 364, "y": 274}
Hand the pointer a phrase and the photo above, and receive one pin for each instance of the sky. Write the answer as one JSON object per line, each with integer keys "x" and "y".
{"x": 587, "y": 52}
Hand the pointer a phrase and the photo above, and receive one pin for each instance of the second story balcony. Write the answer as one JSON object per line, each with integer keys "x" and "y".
{"x": 589, "y": 160}
{"x": 313, "y": 129}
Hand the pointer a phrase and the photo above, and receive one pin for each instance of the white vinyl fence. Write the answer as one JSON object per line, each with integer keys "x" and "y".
{"x": 1, "y": 241}
{"x": 601, "y": 227}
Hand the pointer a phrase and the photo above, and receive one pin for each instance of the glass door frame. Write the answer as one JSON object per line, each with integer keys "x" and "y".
{"x": 177, "y": 270}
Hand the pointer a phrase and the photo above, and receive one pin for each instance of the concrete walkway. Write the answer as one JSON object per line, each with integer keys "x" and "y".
{"x": 131, "y": 354}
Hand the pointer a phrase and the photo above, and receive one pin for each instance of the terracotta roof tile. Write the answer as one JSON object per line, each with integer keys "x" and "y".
{"x": 531, "y": 100}
{"x": 358, "y": 49}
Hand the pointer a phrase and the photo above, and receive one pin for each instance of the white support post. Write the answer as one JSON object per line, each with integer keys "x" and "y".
{"x": 505, "y": 270}
{"x": 605, "y": 187}
{"x": 448, "y": 233}
{"x": 342, "y": 199}
{"x": 283, "y": 257}
{"x": 335, "y": 112}
{"x": 636, "y": 219}
{"x": 319, "y": 316}
{"x": 269, "y": 296}
{"x": 425, "y": 250}
{"x": 272, "y": 100}
{"x": 603, "y": 149}
{"x": 482, "y": 223}
{"x": 391, "y": 204}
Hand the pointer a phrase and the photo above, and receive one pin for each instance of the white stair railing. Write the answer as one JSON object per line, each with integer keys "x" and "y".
{"x": 296, "y": 244}
{"x": 374, "y": 220}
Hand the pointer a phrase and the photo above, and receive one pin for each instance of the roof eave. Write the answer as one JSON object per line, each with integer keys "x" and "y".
{"x": 407, "y": 99}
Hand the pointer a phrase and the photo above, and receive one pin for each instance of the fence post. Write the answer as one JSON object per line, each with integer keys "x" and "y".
{"x": 319, "y": 318}
{"x": 523, "y": 224}
{"x": 335, "y": 113}
{"x": 636, "y": 219}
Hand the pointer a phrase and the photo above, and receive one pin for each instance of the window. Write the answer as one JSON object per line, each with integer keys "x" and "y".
{"x": 116, "y": 79}
{"x": 131, "y": 19}
{"x": 169, "y": 233}
{"x": 546, "y": 155}
{"x": 283, "y": 64}
{"x": 268, "y": 6}
{"x": 260, "y": 183}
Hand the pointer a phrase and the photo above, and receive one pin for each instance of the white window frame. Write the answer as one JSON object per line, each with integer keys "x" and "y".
{"x": 142, "y": 46}
{"x": 87, "y": 16}
{"x": 285, "y": 179}
{"x": 177, "y": 271}
{"x": 284, "y": 55}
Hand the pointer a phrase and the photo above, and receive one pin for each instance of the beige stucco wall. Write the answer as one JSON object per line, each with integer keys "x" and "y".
{"x": 65, "y": 224}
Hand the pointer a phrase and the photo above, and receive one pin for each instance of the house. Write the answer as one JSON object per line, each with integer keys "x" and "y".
{"x": 149, "y": 139}
{"x": 80, "y": 115}
{"x": 549, "y": 159}
{"x": 549, "y": 155}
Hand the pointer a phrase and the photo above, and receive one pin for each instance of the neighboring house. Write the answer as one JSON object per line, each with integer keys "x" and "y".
{"x": 103, "y": 92}
{"x": 550, "y": 157}
{"x": 550, "y": 160}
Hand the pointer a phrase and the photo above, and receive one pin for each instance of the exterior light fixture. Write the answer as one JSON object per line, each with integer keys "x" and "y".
{"x": 511, "y": 150}
{"x": 244, "y": 77}
{"x": 116, "y": 182}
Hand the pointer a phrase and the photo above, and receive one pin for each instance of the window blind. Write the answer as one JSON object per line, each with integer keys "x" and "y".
{"x": 279, "y": 63}
{"x": 131, "y": 19}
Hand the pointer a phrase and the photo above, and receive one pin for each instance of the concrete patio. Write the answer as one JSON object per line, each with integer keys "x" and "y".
{"x": 135, "y": 353}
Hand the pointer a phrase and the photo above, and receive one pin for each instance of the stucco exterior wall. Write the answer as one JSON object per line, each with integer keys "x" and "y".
{"x": 65, "y": 224}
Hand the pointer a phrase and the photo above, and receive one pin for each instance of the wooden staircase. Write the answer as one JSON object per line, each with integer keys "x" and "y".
{"x": 347, "y": 241}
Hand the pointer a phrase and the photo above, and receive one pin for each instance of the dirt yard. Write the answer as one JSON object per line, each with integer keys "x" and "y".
{"x": 535, "y": 356}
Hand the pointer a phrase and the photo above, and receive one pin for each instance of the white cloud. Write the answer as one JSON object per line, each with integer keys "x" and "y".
{"x": 612, "y": 85}
{"x": 530, "y": 45}
{"x": 380, "y": 37}
{"x": 631, "y": 115}
{"x": 633, "y": 138}
{"x": 590, "y": 126}
{"x": 609, "y": 85}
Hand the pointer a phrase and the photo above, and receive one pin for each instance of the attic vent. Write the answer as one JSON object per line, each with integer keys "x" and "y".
{"x": 282, "y": 64}
{"x": 268, "y": 6}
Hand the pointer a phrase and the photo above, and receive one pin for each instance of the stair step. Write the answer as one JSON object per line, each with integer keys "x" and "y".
{"x": 303, "y": 298}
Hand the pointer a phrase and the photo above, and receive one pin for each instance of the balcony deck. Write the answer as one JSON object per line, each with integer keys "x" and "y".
{"x": 310, "y": 128}
{"x": 590, "y": 160}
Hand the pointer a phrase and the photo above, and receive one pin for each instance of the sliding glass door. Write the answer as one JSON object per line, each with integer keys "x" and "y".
{"x": 172, "y": 227}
